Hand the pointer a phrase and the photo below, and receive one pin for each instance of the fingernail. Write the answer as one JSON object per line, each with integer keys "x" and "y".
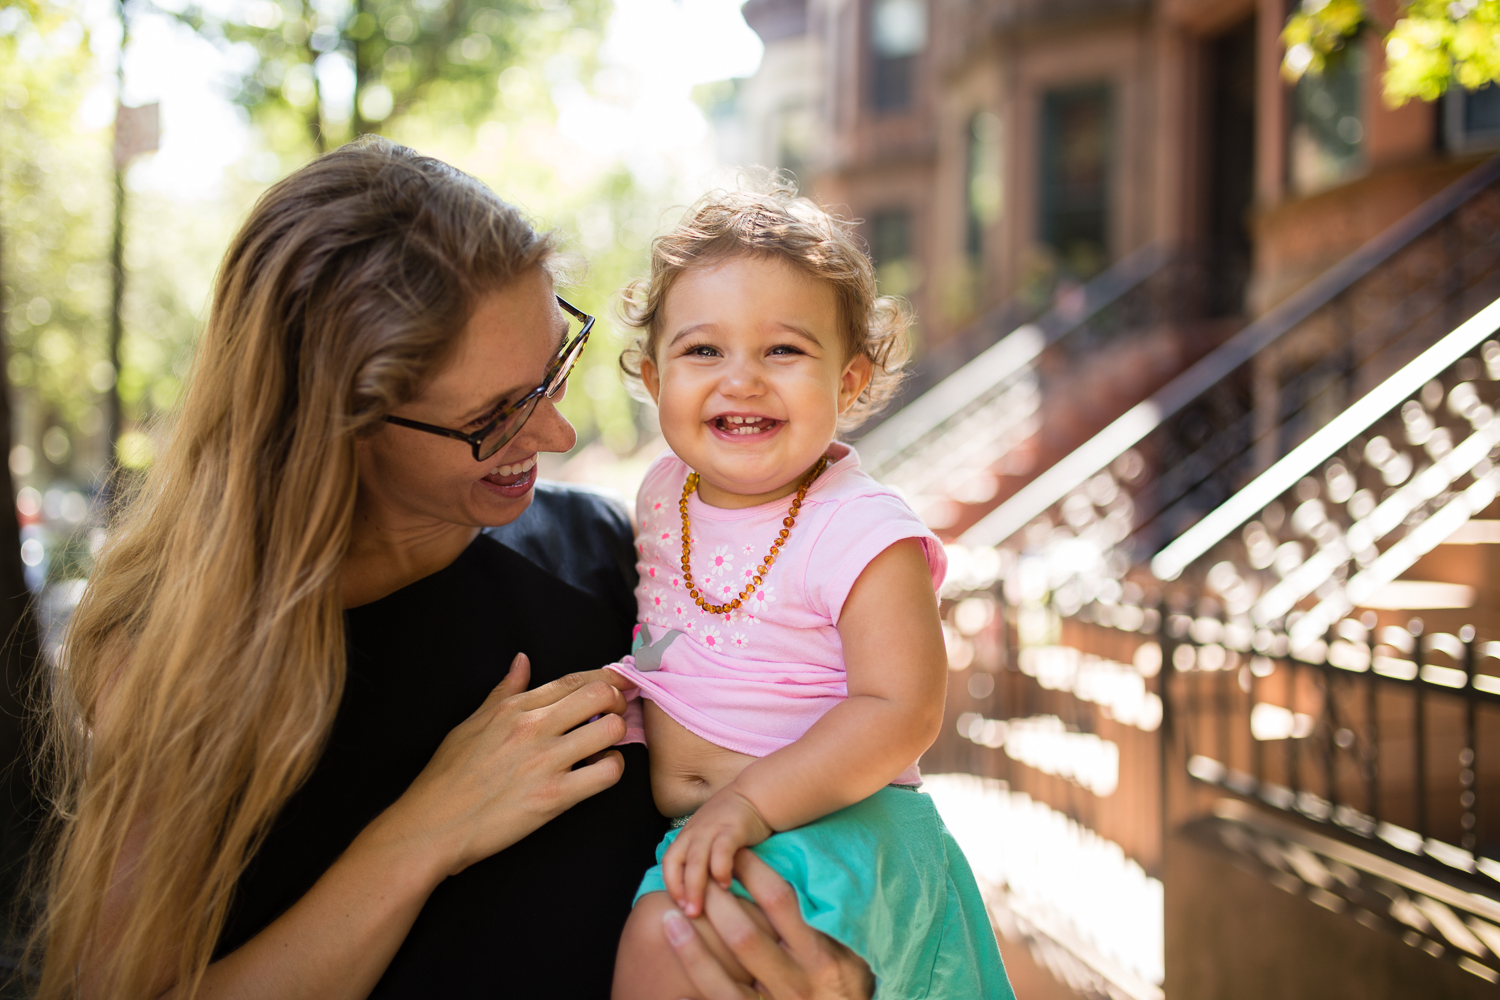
{"x": 678, "y": 930}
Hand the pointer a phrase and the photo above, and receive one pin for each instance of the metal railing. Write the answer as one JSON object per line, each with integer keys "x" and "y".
{"x": 964, "y": 424}
{"x": 1211, "y": 429}
{"x": 1284, "y": 485}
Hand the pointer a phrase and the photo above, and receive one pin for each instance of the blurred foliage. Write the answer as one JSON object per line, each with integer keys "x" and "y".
{"x": 1437, "y": 44}
{"x": 1318, "y": 33}
{"x": 336, "y": 71}
{"x": 485, "y": 106}
{"x": 56, "y": 208}
{"x": 56, "y": 199}
{"x": 1433, "y": 45}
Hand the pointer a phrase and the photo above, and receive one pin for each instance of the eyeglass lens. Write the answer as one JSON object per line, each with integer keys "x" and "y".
{"x": 511, "y": 425}
{"x": 560, "y": 377}
{"x": 507, "y": 429}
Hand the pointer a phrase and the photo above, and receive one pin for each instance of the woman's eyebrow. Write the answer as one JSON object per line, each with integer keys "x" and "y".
{"x": 499, "y": 398}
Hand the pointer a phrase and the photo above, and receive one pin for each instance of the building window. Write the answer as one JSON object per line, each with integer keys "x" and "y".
{"x": 1326, "y": 144}
{"x": 1077, "y": 152}
{"x": 898, "y": 34}
{"x": 1471, "y": 119}
{"x": 982, "y": 184}
{"x": 796, "y": 140}
{"x": 893, "y": 250}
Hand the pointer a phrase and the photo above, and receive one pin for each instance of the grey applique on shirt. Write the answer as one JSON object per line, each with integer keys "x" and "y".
{"x": 648, "y": 656}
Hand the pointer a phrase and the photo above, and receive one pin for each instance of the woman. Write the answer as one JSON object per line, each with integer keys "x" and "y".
{"x": 297, "y": 751}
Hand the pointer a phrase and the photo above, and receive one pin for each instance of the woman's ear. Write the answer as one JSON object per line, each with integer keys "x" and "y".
{"x": 857, "y": 374}
{"x": 651, "y": 378}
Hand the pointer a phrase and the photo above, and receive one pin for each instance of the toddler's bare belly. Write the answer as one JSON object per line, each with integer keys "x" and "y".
{"x": 685, "y": 768}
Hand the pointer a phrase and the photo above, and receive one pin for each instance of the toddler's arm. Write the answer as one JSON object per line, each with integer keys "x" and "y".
{"x": 893, "y": 651}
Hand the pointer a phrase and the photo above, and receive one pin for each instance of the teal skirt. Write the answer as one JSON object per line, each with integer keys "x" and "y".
{"x": 885, "y": 878}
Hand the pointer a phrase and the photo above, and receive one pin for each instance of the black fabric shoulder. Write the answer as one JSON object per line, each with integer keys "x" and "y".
{"x": 542, "y": 918}
{"x": 582, "y": 537}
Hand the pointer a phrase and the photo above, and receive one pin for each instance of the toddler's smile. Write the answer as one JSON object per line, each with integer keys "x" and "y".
{"x": 751, "y": 376}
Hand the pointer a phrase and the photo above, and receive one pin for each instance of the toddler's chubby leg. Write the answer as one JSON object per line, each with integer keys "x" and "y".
{"x": 646, "y": 967}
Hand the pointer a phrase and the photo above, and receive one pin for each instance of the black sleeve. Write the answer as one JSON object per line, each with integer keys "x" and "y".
{"x": 582, "y": 537}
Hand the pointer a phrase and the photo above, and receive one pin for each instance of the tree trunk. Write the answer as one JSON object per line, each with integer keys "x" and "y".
{"x": 112, "y": 413}
{"x": 20, "y": 660}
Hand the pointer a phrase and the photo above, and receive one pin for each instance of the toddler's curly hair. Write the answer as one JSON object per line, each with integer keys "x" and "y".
{"x": 775, "y": 222}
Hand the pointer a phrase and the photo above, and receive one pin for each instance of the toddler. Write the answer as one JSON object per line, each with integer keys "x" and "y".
{"x": 789, "y": 658}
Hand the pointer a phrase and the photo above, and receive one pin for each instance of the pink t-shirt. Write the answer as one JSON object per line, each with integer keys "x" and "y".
{"x": 756, "y": 679}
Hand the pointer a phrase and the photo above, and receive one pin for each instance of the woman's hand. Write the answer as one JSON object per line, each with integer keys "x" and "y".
{"x": 802, "y": 965}
{"x": 510, "y": 767}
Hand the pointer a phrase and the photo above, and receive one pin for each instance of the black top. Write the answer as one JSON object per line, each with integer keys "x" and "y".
{"x": 541, "y": 918}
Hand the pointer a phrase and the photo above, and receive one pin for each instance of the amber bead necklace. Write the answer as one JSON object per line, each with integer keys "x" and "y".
{"x": 765, "y": 564}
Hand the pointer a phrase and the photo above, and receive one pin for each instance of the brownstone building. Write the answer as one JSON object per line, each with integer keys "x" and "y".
{"x": 1207, "y": 409}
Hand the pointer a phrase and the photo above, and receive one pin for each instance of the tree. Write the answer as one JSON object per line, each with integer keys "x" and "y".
{"x": 331, "y": 74}
{"x": 20, "y": 657}
{"x": 1433, "y": 44}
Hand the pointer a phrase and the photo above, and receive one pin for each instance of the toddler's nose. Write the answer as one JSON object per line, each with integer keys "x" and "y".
{"x": 743, "y": 379}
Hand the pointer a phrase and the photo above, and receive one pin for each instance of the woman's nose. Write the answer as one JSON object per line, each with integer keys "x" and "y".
{"x": 548, "y": 429}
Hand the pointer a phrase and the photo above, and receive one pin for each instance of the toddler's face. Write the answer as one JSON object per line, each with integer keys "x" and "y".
{"x": 750, "y": 376}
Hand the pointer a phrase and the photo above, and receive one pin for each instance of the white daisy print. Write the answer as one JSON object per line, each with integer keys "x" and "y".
{"x": 690, "y": 626}
{"x": 657, "y": 601}
{"x": 675, "y": 582}
{"x": 722, "y": 561}
{"x": 749, "y": 618}
{"x": 651, "y": 572}
{"x": 680, "y": 608}
{"x": 738, "y": 640}
{"x": 712, "y": 637}
{"x": 762, "y": 598}
{"x": 749, "y": 549}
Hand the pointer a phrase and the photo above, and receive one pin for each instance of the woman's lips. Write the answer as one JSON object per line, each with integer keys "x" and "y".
{"x": 514, "y": 480}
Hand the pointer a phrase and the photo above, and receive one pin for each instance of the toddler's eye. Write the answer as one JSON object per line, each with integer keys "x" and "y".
{"x": 784, "y": 350}
{"x": 701, "y": 351}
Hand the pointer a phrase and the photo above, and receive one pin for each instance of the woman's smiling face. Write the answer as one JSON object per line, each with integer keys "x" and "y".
{"x": 750, "y": 374}
{"x": 502, "y": 353}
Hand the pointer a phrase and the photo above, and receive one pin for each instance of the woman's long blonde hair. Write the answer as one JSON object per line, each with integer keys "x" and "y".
{"x": 212, "y": 628}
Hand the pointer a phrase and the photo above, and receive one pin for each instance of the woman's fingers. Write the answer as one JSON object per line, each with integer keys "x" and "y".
{"x": 705, "y": 971}
{"x": 756, "y": 950}
{"x": 777, "y": 900}
{"x": 590, "y": 779}
{"x": 619, "y": 680}
{"x": 588, "y": 739}
{"x": 555, "y": 692}
{"x": 512, "y": 684}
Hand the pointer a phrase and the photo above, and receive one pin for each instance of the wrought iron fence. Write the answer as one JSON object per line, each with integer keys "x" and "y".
{"x": 1184, "y": 451}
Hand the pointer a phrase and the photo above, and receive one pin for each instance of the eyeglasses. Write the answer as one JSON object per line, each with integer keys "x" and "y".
{"x": 511, "y": 417}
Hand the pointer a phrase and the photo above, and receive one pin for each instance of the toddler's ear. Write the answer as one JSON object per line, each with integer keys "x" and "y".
{"x": 651, "y": 378}
{"x": 857, "y": 375}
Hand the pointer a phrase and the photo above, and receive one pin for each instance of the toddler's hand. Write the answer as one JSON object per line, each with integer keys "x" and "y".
{"x": 706, "y": 846}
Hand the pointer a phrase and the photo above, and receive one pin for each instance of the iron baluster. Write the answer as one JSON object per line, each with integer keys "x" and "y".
{"x": 1419, "y": 718}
